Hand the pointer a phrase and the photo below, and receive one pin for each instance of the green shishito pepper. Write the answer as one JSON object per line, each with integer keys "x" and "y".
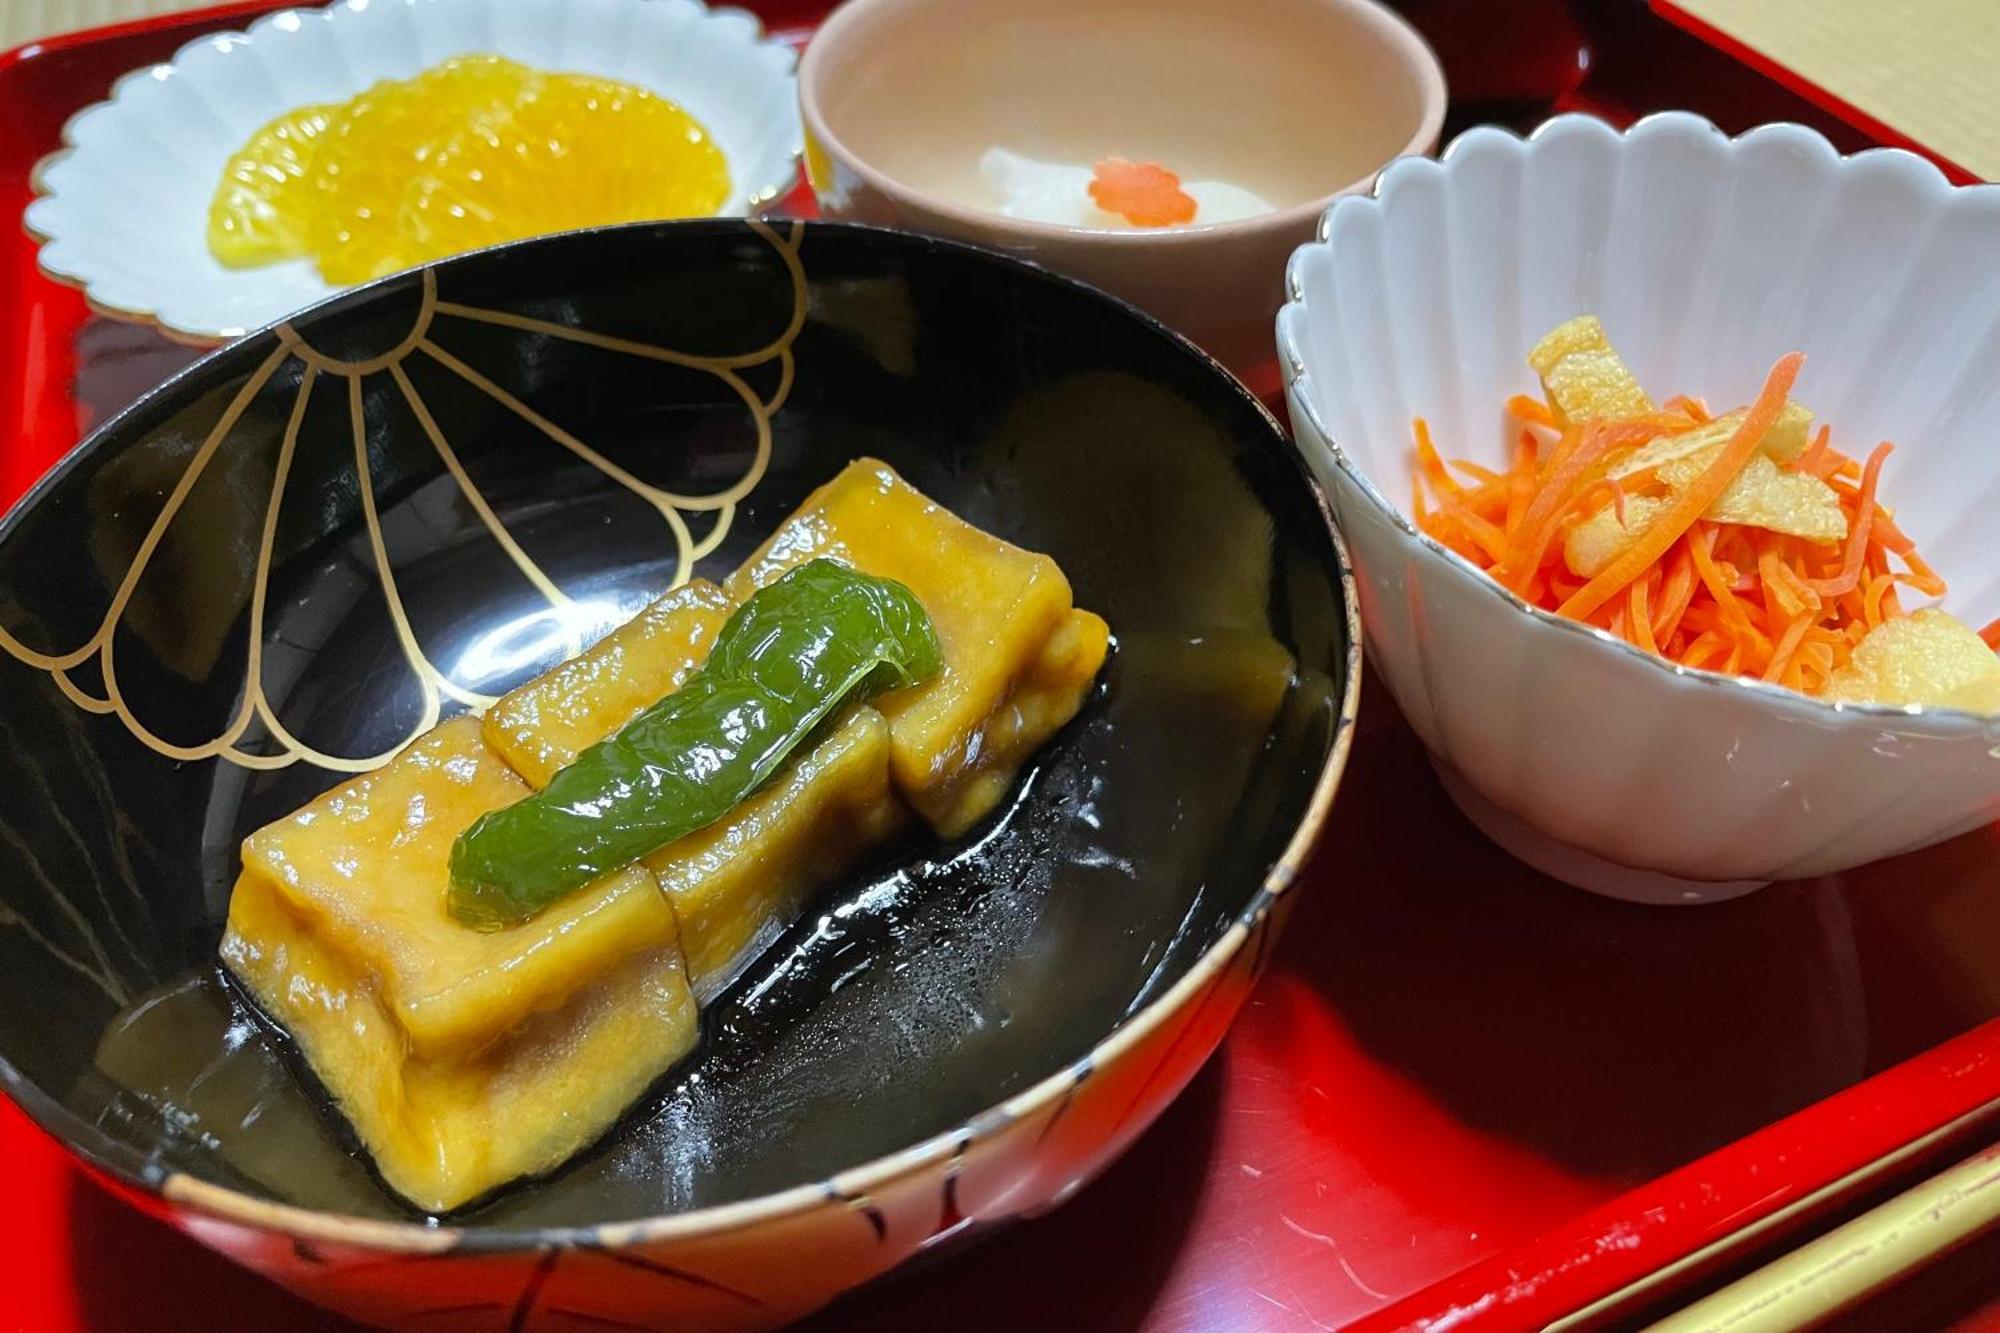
{"x": 821, "y": 635}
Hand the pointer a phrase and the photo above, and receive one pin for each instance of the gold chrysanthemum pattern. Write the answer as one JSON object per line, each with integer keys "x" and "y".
{"x": 320, "y": 372}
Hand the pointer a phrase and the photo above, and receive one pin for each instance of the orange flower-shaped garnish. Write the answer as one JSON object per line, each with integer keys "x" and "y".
{"x": 1146, "y": 194}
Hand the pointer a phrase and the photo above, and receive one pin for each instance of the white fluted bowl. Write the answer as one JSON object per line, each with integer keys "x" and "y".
{"x": 1708, "y": 258}
{"x": 122, "y": 208}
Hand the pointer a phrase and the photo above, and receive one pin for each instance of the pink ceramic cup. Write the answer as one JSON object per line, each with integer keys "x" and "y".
{"x": 1297, "y": 100}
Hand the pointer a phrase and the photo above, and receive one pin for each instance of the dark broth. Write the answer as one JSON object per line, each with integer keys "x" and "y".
{"x": 879, "y": 1018}
{"x": 913, "y": 994}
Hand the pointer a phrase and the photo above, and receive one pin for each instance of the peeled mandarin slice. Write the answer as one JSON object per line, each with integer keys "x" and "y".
{"x": 576, "y": 152}
{"x": 1145, "y": 194}
{"x": 475, "y": 151}
{"x": 258, "y": 215}
{"x": 390, "y": 132}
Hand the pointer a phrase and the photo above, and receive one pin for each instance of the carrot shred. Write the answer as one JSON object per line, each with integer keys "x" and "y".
{"x": 1531, "y": 410}
{"x": 1889, "y": 535}
{"x": 1992, "y": 636}
{"x": 1488, "y": 537}
{"x": 1881, "y": 601}
{"x": 1921, "y": 576}
{"x": 1521, "y": 482}
{"x": 1782, "y": 592}
{"x": 1691, "y": 408}
{"x": 1818, "y": 658}
{"x": 1728, "y": 609}
{"x": 1817, "y": 459}
{"x": 1561, "y": 489}
{"x": 1639, "y": 617}
{"x": 1435, "y": 471}
{"x": 1691, "y": 503}
{"x": 1703, "y": 650}
{"x": 1675, "y": 594}
{"x": 1705, "y": 594}
{"x": 1860, "y": 527}
{"x": 1788, "y": 644}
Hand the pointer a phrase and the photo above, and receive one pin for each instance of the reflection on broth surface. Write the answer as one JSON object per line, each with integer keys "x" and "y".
{"x": 1185, "y": 520}
{"x": 946, "y": 948}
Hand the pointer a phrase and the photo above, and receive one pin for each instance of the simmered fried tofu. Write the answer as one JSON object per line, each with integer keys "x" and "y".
{"x": 462, "y": 1058}
{"x": 1786, "y": 440}
{"x": 465, "y": 1059}
{"x": 1603, "y": 536}
{"x": 1764, "y": 495}
{"x": 445, "y": 1130}
{"x": 741, "y": 881}
{"x": 539, "y": 727}
{"x": 1018, "y": 656}
{"x": 1930, "y": 658}
{"x": 1583, "y": 376}
{"x": 367, "y": 863}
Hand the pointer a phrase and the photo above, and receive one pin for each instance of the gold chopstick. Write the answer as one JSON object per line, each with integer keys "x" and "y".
{"x": 1856, "y": 1258}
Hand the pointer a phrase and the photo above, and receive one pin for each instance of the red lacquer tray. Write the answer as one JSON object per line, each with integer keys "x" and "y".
{"x": 1464, "y": 1096}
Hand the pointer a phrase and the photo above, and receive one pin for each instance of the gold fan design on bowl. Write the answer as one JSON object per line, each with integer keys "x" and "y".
{"x": 436, "y": 688}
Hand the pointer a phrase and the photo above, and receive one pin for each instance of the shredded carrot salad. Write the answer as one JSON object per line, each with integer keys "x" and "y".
{"x": 1580, "y": 523}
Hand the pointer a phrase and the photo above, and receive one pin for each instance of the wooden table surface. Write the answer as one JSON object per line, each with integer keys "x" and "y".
{"x": 30, "y": 20}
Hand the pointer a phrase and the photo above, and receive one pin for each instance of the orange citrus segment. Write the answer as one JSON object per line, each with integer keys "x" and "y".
{"x": 389, "y": 132}
{"x": 471, "y": 152}
{"x": 1145, "y": 194}
{"x": 259, "y": 211}
{"x": 576, "y": 151}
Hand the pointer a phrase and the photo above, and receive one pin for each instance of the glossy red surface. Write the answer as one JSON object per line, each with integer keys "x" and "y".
{"x": 1453, "y": 1068}
{"x": 1463, "y": 1094}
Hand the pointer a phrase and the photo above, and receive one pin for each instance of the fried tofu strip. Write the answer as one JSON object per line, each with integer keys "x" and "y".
{"x": 1019, "y": 657}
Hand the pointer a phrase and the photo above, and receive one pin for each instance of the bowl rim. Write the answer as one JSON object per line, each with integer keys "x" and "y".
{"x": 128, "y": 1170}
{"x": 1420, "y": 66}
{"x": 1301, "y": 394}
{"x": 40, "y": 188}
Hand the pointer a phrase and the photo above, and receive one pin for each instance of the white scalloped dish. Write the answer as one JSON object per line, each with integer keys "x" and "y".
{"x": 1708, "y": 258}
{"x": 122, "y": 209}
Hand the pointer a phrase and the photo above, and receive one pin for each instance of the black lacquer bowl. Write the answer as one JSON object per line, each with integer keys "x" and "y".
{"x": 286, "y": 562}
